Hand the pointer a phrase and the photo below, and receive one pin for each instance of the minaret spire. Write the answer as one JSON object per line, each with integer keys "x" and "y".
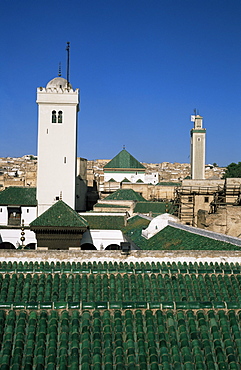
{"x": 60, "y": 72}
{"x": 68, "y": 50}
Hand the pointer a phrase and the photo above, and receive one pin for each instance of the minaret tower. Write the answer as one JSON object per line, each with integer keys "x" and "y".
{"x": 198, "y": 143}
{"x": 58, "y": 105}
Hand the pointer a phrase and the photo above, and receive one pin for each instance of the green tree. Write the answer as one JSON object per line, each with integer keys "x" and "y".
{"x": 233, "y": 170}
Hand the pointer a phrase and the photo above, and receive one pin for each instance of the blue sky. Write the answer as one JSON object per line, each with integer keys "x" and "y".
{"x": 142, "y": 67}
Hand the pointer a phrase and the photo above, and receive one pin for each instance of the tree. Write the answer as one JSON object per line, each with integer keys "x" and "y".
{"x": 233, "y": 170}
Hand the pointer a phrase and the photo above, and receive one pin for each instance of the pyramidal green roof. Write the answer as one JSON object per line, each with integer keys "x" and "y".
{"x": 125, "y": 194}
{"x": 124, "y": 160}
{"x": 18, "y": 196}
{"x": 125, "y": 180}
{"x": 60, "y": 215}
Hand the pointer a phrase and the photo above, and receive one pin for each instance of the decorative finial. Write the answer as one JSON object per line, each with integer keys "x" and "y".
{"x": 124, "y": 147}
{"x": 68, "y": 50}
{"x": 60, "y": 72}
{"x": 60, "y": 195}
{"x": 23, "y": 235}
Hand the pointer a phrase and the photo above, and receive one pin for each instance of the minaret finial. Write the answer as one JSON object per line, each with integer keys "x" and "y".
{"x": 67, "y": 49}
{"x": 60, "y": 72}
{"x": 124, "y": 146}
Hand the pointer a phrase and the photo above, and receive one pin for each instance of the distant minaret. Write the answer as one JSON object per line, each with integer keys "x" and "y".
{"x": 198, "y": 143}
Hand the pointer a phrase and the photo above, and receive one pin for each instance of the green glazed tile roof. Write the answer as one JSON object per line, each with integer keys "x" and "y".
{"x": 169, "y": 183}
{"x": 156, "y": 207}
{"x": 171, "y": 238}
{"x": 139, "y": 181}
{"x": 105, "y": 222}
{"x": 111, "y": 180}
{"x": 18, "y": 196}
{"x": 125, "y": 180}
{"x": 109, "y": 205}
{"x": 124, "y": 160}
{"x": 60, "y": 215}
{"x": 125, "y": 194}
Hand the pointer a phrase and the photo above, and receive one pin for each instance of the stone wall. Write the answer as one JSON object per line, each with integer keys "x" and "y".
{"x": 226, "y": 220}
{"x": 118, "y": 256}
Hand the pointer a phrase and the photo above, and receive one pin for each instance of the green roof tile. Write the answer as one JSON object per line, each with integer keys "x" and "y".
{"x": 105, "y": 222}
{"x": 156, "y": 207}
{"x": 125, "y": 180}
{"x": 125, "y": 194}
{"x": 124, "y": 160}
{"x": 169, "y": 183}
{"x": 60, "y": 215}
{"x": 171, "y": 238}
{"x": 18, "y": 196}
{"x": 139, "y": 181}
{"x": 111, "y": 180}
{"x": 109, "y": 205}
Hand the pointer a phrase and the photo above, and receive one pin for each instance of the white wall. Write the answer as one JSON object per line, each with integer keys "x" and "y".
{"x": 28, "y": 214}
{"x": 3, "y": 215}
{"x": 13, "y": 236}
{"x": 102, "y": 238}
{"x": 119, "y": 176}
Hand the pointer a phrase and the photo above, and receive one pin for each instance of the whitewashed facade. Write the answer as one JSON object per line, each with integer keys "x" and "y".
{"x": 58, "y": 105}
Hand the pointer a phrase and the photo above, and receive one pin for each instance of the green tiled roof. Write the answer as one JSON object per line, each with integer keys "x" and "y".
{"x": 18, "y": 196}
{"x": 109, "y": 205}
{"x": 156, "y": 207}
{"x": 105, "y": 222}
{"x": 111, "y": 180}
{"x": 139, "y": 181}
{"x": 60, "y": 215}
{"x": 171, "y": 238}
{"x": 124, "y": 160}
{"x": 125, "y": 180}
{"x": 125, "y": 194}
{"x": 169, "y": 183}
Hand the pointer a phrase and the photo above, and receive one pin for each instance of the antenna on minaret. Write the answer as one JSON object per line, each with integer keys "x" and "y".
{"x": 60, "y": 72}
{"x": 67, "y": 49}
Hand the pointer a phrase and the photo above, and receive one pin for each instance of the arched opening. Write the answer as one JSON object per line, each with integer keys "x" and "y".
{"x": 54, "y": 118}
{"x": 30, "y": 246}
{"x": 7, "y": 245}
{"x": 113, "y": 247}
{"x": 88, "y": 247}
{"x": 60, "y": 116}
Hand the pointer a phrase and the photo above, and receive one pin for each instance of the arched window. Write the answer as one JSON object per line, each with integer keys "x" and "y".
{"x": 60, "y": 116}
{"x": 54, "y": 116}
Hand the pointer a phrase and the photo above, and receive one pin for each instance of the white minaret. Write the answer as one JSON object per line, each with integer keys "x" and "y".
{"x": 198, "y": 143}
{"x": 58, "y": 105}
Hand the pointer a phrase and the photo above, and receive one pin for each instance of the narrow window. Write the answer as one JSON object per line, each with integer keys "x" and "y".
{"x": 189, "y": 199}
{"x": 56, "y": 198}
{"x": 27, "y": 210}
{"x": 54, "y": 116}
{"x": 60, "y": 116}
{"x": 64, "y": 159}
{"x": 206, "y": 199}
{"x": 1, "y": 209}
{"x": 47, "y": 130}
